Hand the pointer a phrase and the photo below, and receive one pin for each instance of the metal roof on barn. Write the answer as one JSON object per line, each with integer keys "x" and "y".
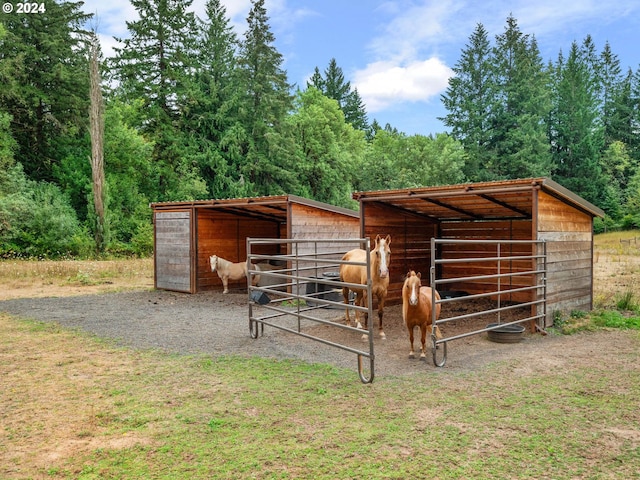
{"x": 506, "y": 199}
{"x": 273, "y": 207}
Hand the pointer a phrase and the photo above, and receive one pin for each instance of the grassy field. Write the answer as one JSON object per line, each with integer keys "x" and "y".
{"x": 37, "y": 278}
{"x": 76, "y": 407}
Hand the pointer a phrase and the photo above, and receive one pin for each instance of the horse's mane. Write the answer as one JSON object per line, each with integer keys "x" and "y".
{"x": 222, "y": 263}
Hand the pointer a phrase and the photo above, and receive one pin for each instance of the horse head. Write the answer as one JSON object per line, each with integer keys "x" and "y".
{"x": 383, "y": 255}
{"x": 213, "y": 259}
{"x": 412, "y": 284}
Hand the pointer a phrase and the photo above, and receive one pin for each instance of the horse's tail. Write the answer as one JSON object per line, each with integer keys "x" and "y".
{"x": 438, "y": 333}
{"x": 256, "y": 277}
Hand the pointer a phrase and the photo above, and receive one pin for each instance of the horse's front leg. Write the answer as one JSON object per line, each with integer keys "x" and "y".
{"x": 364, "y": 302}
{"x": 345, "y": 295}
{"x": 225, "y": 283}
{"x": 423, "y": 340}
{"x": 411, "y": 352}
{"x": 381, "y": 299}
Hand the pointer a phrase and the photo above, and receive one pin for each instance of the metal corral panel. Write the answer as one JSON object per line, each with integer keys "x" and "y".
{"x": 173, "y": 250}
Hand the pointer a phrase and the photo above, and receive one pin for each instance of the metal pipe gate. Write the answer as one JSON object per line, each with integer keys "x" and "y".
{"x": 288, "y": 305}
{"x": 538, "y": 288}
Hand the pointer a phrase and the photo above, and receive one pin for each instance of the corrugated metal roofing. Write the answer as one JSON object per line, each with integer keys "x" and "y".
{"x": 475, "y": 201}
{"x": 272, "y": 207}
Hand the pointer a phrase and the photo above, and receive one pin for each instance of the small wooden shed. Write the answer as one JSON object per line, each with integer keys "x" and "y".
{"x": 187, "y": 233}
{"x": 525, "y": 209}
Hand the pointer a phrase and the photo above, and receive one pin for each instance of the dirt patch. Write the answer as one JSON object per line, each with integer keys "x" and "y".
{"x": 216, "y": 324}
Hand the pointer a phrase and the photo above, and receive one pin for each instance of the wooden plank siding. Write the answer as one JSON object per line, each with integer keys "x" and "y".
{"x": 172, "y": 254}
{"x": 569, "y": 235}
{"x": 488, "y": 230}
{"x": 410, "y": 242}
{"x": 308, "y": 223}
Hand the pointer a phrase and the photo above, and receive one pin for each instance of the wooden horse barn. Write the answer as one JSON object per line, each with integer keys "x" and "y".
{"x": 187, "y": 233}
{"x": 473, "y": 218}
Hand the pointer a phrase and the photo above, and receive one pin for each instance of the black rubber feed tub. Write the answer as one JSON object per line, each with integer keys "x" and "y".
{"x": 505, "y": 333}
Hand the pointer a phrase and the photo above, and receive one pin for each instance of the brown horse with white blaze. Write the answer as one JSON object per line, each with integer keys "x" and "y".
{"x": 227, "y": 270}
{"x": 417, "y": 309}
{"x": 380, "y": 260}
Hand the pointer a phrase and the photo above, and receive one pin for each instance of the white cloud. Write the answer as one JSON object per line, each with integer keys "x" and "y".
{"x": 406, "y": 67}
{"x": 414, "y": 29}
{"x": 381, "y": 84}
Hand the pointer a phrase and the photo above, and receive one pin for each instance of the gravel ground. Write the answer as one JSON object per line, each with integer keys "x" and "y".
{"x": 216, "y": 324}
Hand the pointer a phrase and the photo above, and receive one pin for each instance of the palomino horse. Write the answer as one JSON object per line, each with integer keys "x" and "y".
{"x": 227, "y": 270}
{"x": 416, "y": 309}
{"x": 380, "y": 258}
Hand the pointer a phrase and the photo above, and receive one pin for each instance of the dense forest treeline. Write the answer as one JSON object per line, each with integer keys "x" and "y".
{"x": 189, "y": 110}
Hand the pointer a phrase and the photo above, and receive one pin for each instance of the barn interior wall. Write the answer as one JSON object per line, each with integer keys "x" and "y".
{"x": 487, "y": 230}
{"x": 569, "y": 236}
{"x": 225, "y": 234}
{"x": 410, "y": 242}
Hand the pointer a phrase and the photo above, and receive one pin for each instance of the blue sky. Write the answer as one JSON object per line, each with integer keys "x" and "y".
{"x": 399, "y": 53}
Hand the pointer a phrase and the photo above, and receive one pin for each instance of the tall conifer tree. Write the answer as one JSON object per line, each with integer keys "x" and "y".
{"x": 576, "y": 133}
{"x": 45, "y": 86}
{"x": 154, "y": 65}
{"x": 519, "y": 137}
{"x": 212, "y": 110}
{"x": 334, "y": 85}
{"x": 470, "y": 99}
{"x": 268, "y": 153}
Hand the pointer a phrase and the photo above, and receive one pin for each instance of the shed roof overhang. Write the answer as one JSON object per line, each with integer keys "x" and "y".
{"x": 507, "y": 199}
{"x": 272, "y": 208}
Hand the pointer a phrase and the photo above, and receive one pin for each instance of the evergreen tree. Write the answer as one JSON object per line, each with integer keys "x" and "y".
{"x": 576, "y": 135}
{"x": 316, "y": 80}
{"x": 634, "y": 115}
{"x": 334, "y": 86}
{"x": 154, "y": 65}
{"x": 267, "y": 155}
{"x": 624, "y": 121}
{"x": 355, "y": 112}
{"x": 213, "y": 108}
{"x": 611, "y": 91}
{"x": 519, "y": 137}
{"x": 620, "y": 136}
{"x": 45, "y": 83}
{"x": 7, "y": 146}
{"x": 469, "y": 100}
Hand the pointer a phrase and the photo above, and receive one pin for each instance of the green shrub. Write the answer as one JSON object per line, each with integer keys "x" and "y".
{"x": 626, "y": 301}
{"x": 39, "y": 222}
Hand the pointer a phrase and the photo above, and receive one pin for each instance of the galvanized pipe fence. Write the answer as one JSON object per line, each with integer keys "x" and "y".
{"x": 538, "y": 288}
{"x": 306, "y": 284}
